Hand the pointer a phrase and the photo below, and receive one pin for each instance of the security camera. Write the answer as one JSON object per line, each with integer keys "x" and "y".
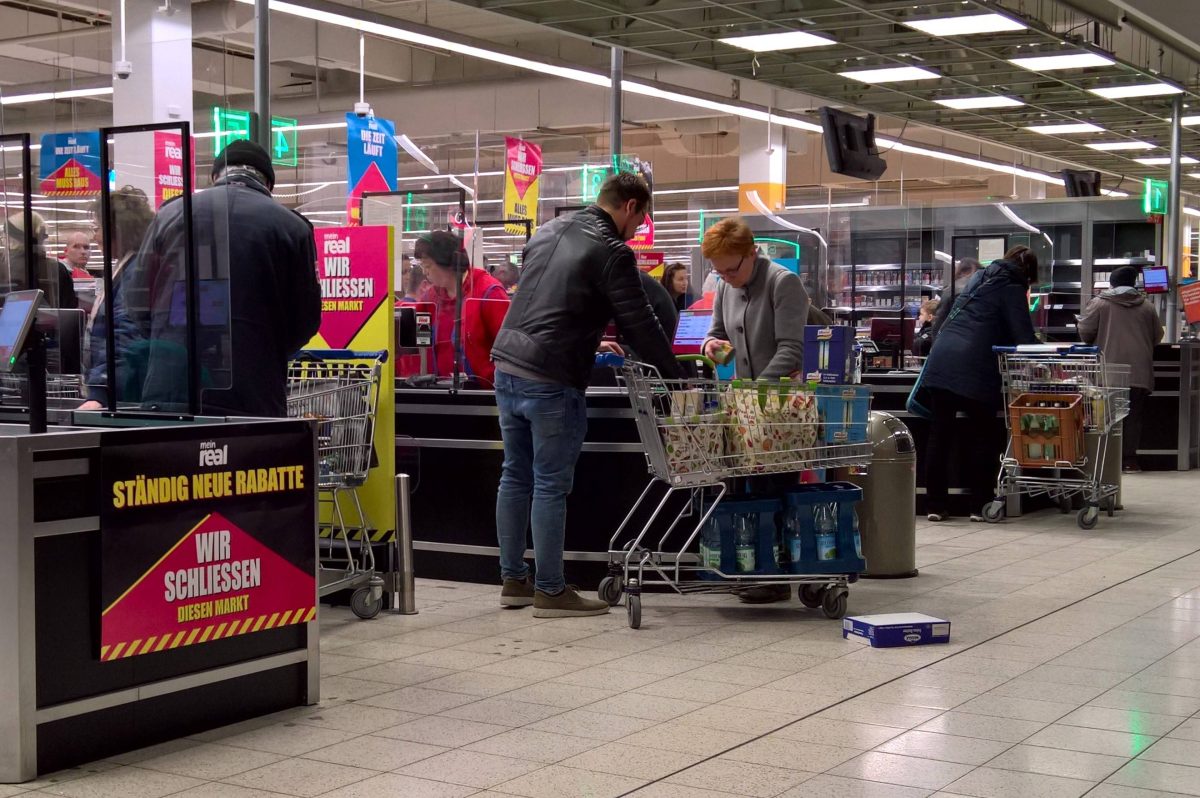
{"x": 123, "y": 69}
{"x": 362, "y": 110}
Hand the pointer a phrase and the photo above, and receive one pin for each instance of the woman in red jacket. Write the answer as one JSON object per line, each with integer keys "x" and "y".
{"x": 485, "y": 302}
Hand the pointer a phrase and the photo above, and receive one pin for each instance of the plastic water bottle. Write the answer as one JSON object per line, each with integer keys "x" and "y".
{"x": 826, "y": 528}
{"x": 857, "y": 537}
{"x": 710, "y": 544}
{"x": 794, "y": 538}
{"x": 746, "y": 526}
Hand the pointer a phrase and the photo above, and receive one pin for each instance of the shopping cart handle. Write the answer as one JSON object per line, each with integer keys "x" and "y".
{"x": 612, "y": 359}
{"x": 342, "y": 354}
{"x": 1068, "y": 349}
{"x": 701, "y": 359}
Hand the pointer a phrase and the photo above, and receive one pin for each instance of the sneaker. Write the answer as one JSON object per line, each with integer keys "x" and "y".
{"x": 977, "y": 518}
{"x": 1131, "y": 468}
{"x": 937, "y": 516}
{"x": 567, "y": 604}
{"x": 764, "y": 594}
{"x": 517, "y": 592}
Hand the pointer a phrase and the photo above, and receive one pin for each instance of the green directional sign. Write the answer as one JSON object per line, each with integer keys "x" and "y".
{"x": 230, "y": 124}
{"x": 1154, "y": 197}
{"x": 593, "y": 178}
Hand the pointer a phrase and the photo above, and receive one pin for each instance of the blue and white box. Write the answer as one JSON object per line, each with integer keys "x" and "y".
{"x": 896, "y": 629}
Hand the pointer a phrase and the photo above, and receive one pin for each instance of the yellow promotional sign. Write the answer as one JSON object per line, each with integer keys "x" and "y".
{"x": 522, "y": 170}
{"x": 354, "y": 265}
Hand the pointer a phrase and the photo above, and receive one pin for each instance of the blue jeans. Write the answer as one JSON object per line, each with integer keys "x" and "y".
{"x": 543, "y": 425}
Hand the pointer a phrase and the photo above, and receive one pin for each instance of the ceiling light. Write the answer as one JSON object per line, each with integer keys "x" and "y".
{"x": 1073, "y": 127}
{"x": 965, "y": 25}
{"x": 973, "y": 103}
{"x": 890, "y": 74}
{"x": 43, "y": 96}
{"x": 1164, "y": 161}
{"x": 1116, "y": 146}
{"x": 1194, "y": 174}
{"x": 1188, "y": 120}
{"x": 786, "y": 40}
{"x": 1140, "y": 90}
{"x": 1049, "y": 63}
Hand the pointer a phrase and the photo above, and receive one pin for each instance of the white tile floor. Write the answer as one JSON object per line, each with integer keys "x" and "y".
{"x": 1074, "y": 669}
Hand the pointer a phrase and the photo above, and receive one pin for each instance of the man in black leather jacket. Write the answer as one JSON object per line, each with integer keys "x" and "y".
{"x": 578, "y": 274}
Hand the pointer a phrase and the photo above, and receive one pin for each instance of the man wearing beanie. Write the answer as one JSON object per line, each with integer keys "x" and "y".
{"x": 1126, "y": 327}
{"x": 259, "y": 296}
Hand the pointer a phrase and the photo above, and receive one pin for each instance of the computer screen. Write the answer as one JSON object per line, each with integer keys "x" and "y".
{"x": 1157, "y": 279}
{"x": 691, "y": 331}
{"x": 213, "y": 304}
{"x": 16, "y": 319}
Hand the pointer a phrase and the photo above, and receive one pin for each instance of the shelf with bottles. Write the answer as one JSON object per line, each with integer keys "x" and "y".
{"x": 893, "y": 288}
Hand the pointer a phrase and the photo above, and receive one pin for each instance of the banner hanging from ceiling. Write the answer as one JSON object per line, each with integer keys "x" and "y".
{"x": 522, "y": 170}
{"x": 70, "y": 164}
{"x": 372, "y": 158}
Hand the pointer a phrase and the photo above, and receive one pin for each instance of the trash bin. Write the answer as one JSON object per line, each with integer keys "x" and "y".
{"x": 887, "y": 516}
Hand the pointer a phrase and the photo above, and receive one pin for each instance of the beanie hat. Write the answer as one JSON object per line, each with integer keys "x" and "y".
{"x": 243, "y": 152}
{"x": 1123, "y": 276}
{"x": 443, "y": 248}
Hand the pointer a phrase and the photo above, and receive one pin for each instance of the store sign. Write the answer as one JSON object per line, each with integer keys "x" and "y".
{"x": 371, "y": 160}
{"x": 168, "y": 167}
{"x": 1189, "y": 297}
{"x": 644, "y": 238}
{"x": 1155, "y": 197}
{"x": 591, "y": 179}
{"x": 651, "y": 263}
{"x": 355, "y": 270}
{"x": 231, "y": 124}
{"x": 522, "y": 170}
{"x": 201, "y": 541}
{"x": 70, "y": 164}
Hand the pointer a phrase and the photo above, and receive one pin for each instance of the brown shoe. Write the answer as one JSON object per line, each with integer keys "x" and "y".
{"x": 517, "y": 592}
{"x": 567, "y": 604}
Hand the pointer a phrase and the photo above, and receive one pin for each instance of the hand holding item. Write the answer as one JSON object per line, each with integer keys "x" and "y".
{"x": 718, "y": 351}
{"x": 90, "y": 404}
{"x": 610, "y": 347}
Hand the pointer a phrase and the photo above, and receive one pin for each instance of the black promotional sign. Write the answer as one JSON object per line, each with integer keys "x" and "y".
{"x": 205, "y": 538}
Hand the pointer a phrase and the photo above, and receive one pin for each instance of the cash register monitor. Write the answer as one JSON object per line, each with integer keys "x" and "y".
{"x": 1156, "y": 279}
{"x": 893, "y": 333}
{"x": 691, "y": 331}
{"x": 16, "y": 320}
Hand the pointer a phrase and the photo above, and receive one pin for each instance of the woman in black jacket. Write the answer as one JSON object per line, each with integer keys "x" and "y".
{"x": 962, "y": 375}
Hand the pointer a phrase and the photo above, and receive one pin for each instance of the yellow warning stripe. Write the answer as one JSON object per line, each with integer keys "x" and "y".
{"x": 376, "y": 536}
{"x": 202, "y": 634}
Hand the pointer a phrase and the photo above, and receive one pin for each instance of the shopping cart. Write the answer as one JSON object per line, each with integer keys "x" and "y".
{"x": 65, "y": 387}
{"x": 340, "y": 389}
{"x": 1062, "y": 404}
{"x": 690, "y": 462}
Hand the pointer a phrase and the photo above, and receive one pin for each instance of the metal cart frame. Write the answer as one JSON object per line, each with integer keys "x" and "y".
{"x": 1104, "y": 391}
{"x": 340, "y": 389}
{"x": 634, "y": 565}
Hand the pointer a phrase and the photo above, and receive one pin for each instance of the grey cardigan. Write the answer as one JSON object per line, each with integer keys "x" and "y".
{"x": 764, "y": 320}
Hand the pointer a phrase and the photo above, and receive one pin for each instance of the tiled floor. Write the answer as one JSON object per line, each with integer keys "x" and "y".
{"x": 1075, "y": 669}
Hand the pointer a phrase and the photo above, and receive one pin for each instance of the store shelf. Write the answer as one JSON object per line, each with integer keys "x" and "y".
{"x": 895, "y": 288}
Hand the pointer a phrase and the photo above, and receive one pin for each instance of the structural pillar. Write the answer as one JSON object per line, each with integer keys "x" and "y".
{"x": 762, "y": 166}
{"x": 617, "y": 74}
{"x": 262, "y": 73}
{"x": 1174, "y": 243}
{"x": 158, "y": 46}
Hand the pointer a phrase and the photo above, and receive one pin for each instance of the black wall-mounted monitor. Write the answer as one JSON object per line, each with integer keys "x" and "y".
{"x": 16, "y": 320}
{"x": 850, "y": 144}
{"x": 1081, "y": 182}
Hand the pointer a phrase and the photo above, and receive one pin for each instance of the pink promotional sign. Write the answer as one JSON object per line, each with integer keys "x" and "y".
{"x": 168, "y": 167}
{"x": 522, "y": 168}
{"x": 645, "y": 236}
{"x": 353, "y": 266}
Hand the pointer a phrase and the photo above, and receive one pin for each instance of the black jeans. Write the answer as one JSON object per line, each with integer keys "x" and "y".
{"x": 979, "y": 445}
{"x": 1131, "y": 432}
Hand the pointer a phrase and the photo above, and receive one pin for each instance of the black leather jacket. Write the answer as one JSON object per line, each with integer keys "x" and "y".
{"x": 577, "y": 275}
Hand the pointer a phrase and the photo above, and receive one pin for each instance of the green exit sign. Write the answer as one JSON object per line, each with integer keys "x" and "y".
{"x": 593, "y": 178}
{"x": 230, "y": 124}
{"x": 1154, "y": 197}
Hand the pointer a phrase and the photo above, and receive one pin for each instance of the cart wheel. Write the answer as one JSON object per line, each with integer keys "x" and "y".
{"x": 993, "y": 512}
{"x": 833, "y": 603}
{"x": 810, "y": 595}
{"x": 363, "y": 605}
{"x": 610, "y": 590}
{"x": 633, "y": 607}
{"x": 1064, "y": 504}
{"x": 1110, "y": 506}
{"x": 1088, "y": 517}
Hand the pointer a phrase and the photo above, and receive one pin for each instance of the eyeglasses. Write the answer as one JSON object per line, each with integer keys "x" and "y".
{"x": 730, "y": 272}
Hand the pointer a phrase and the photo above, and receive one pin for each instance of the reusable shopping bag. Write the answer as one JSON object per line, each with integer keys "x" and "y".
{"x": 694, "y": 440}
{"x": 770, "y": 424}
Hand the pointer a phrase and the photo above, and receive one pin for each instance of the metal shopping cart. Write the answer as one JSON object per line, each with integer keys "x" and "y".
{"x": 1056, "y": 398}
{"x": 340, "y": 389}
{"x": 686, "y": 427}
{"x": 58, "y": 386}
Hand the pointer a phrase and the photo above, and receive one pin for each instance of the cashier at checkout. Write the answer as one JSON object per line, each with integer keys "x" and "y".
{"x": 485, "y": 303}
{"x": 760, "y": 307}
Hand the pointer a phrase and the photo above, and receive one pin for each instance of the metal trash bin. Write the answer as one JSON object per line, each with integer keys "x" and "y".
{"x": 887, "y": 515}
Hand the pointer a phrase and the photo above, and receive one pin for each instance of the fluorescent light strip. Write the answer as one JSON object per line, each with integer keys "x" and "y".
{"x": 1140, "y": 90}
{"x": 1165, "y": 161}
{"x": 890, "y": 74}
{"x": 709, "y": 190}
{"x": 43, "y": 96}
{"x": 1120, "y": 146}
{"x": 1050, "y": 63}
{"x": 646, "y": 90}
{"x": 825, "y": 205}
{"x": 1062, "y": 129}
{"x": 772, "y": 42}
{"x": 965, "y": 25}
{"x": 1188, "y": 121}
{"x": 975, "y": 103}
